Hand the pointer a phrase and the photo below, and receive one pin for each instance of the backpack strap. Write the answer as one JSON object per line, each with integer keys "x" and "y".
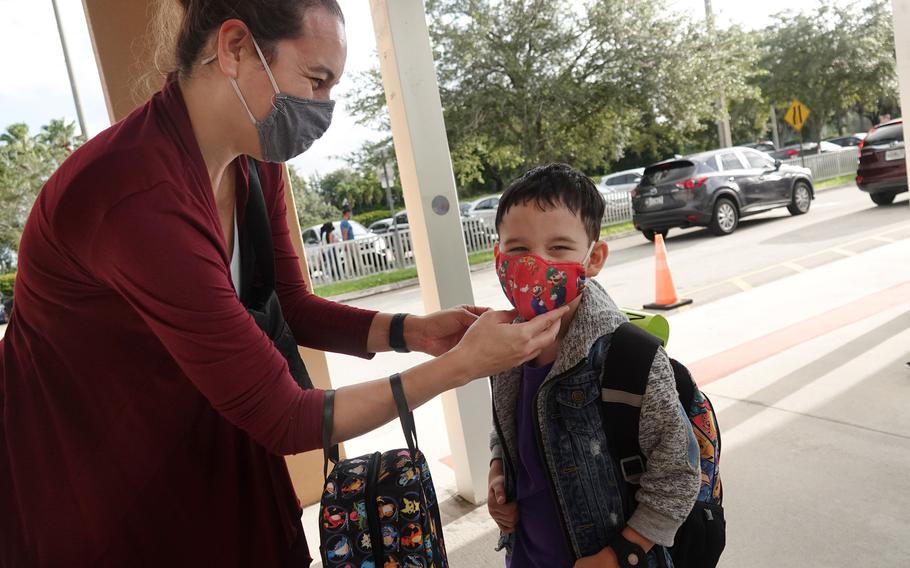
{"x": 685, "y": 384}
{"x": 624, "y": 379}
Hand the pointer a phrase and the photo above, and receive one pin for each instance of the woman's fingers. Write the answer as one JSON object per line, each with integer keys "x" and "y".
{"x": 543, "y": 321}
{"x": 476, "y": 310}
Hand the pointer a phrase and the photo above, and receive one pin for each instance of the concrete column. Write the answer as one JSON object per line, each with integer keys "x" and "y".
{"x": 412, "y": 93}
{"x": 901, "y": 9}
{"x": 118, "y": 31}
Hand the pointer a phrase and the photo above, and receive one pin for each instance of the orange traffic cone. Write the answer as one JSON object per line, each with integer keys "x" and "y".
{"x": 667, "y": 297}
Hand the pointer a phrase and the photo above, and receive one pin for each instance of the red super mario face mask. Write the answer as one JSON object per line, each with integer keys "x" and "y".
{"x": 535, "y": 285}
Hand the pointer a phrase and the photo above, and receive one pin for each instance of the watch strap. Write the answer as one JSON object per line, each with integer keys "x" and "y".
{"x": 629, "y": 554}
{"x": 396, "y": 334}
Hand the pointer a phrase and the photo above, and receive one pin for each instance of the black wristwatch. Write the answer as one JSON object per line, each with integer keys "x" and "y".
{"x": 629, "y": 554}
{"x": 396, "y": 334}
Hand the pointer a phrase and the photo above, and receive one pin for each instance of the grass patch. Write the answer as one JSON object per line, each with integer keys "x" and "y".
{"x": 371, "y": 281}
{"x": 374, "y": 280}
{"x": 615, "y": 229}
{"x": 840, "y": 180}
{"x": 480, "y": 257}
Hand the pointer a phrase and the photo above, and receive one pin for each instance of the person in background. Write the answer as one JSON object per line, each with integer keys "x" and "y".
{"x": 330, "y": 254}
{"x": 347, "y": 231}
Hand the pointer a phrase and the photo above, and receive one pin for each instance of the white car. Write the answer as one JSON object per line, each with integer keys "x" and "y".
{"x": 483, "y": 209}
{"x": 624, "y": 181}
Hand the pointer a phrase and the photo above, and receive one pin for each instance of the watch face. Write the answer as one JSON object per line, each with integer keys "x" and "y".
{"x": 632, "y": 559}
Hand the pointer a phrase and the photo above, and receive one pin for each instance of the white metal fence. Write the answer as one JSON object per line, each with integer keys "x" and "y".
{"x": 377, "y": 253}
{"x": 618, "y": 207}
{"x": 829, "y": 164}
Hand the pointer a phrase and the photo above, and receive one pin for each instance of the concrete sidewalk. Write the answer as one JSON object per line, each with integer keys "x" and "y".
{"x": 809, "y": 376}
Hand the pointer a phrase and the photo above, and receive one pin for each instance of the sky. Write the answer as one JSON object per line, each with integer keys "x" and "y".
{"x": 34, "y": 87}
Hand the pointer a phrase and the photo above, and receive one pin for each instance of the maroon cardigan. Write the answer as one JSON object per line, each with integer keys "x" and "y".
{"x": 143, "y": 411}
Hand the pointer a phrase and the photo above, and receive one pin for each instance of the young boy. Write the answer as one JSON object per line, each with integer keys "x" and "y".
{"x": 554, "y": 488}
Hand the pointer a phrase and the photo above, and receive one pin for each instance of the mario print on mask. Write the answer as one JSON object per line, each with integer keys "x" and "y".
{"x": 538, "y": 303}
{"x": 535, "y": 285}
{"x": 557, "y": 280}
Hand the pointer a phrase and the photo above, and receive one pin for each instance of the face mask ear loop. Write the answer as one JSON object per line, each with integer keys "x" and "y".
{"x": 265, "y": 64}
{"x": 243, "y": 101}
{"x": 588, "y": 255}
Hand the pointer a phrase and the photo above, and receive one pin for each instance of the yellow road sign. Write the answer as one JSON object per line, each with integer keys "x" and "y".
{"x": 796, "y": 115}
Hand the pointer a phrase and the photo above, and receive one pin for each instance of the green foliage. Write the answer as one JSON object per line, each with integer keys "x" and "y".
{"x": 7, "y": 283}
{"x": 531, "y": 81}
{"x": 833, "y": 59}
{"x": 312, "y": 209}
{"x": 26, "y": 162}
{"x": 369, "y": 217}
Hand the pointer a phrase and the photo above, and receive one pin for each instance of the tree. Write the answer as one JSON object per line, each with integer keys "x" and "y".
{"x": 26, "y": 163}
{"x": 312, "y": 209}
{"x": 530, "y": 81}
{"x": 832, "y": 59}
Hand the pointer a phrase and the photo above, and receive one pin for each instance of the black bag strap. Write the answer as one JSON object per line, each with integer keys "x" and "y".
{"x": 685, "y": 384}
{"x": 404, "y": 414}
{"x": 624, "y": 378}
{"x": 329, "y": 450}
{"x": 259, "y": 235}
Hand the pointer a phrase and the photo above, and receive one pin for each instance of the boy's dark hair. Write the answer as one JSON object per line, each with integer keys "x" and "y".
{"x": 555, "y": 185}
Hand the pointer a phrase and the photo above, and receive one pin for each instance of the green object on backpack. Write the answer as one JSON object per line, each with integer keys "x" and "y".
{"x": 655, "y": 324}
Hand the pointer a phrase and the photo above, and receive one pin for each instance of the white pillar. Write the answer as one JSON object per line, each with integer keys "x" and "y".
{"x": 412, "y": 94}
{"x": 901, "y": 10}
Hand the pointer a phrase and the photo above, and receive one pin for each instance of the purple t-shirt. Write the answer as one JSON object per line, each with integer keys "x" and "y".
{"x": 540, "y": 540}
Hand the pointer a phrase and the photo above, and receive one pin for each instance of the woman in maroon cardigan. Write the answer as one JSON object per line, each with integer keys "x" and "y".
{"x": 144, "y": 413}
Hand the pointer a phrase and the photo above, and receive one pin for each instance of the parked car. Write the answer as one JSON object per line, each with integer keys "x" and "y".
{"x": 764, "y": 146}
{"x": 882, "y": 171}
{"x": 625, "y": 180}
{"x": 381, "y": 226}
{"x": 715, "y": 189}
{"x": 472, "y": 231}
{"x": 373, "y": 249}
{"x": 847, "y": 141}
{"x": 806, "y": 149}
{"x": 484, "y": 209}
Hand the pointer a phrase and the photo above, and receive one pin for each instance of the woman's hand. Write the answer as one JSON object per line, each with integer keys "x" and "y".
{"x": 505, "y": 514}
{"x": 437, "y": 333}
{"x": 494, "y": 344}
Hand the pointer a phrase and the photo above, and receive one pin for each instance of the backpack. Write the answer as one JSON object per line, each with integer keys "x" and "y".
{"x": 701, "y": 539}
{"x": 383, "y": 497}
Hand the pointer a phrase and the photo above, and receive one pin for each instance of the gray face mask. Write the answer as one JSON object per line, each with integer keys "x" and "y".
{"x": 293, "y": 123}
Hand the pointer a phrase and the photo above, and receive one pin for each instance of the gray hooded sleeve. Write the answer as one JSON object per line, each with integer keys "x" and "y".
{"x": 672, "y": 477}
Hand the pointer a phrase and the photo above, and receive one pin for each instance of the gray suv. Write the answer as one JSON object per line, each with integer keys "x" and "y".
{"x": 715, "y": 189}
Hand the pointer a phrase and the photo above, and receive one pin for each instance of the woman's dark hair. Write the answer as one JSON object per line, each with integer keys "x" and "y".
{"x": 555, "y": 185}
{"x": 181, "y": 37}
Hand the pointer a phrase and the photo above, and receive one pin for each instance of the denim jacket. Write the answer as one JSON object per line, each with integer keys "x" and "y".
{"x": 583, "y": 475}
